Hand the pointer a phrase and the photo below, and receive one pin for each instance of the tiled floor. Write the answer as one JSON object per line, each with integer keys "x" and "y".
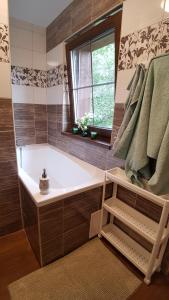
{"x": 17, "y": 260}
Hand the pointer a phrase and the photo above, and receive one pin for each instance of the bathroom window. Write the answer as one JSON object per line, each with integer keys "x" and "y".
{"x": 92, "y": 66}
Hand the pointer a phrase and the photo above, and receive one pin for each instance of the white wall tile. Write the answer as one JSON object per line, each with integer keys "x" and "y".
{"x": 56, "y": 56}
{"x": 66, "y": 97}
{"x": 39, "y": 29}
{"x": 22, "y": 94}
{"x": 52, "y": 58}
{"x": 55, "y": 95}
{"x": 4, "y": 11}
{"x": 39, "y": 95}
{"x": 5, "y": 82}
{"x": 21, "y": 57}
{"x": 139, "y": 14}
{"x": 39, "y": 60}
{"x": 39, "y": 42}
{"x": 20, "y": 24}
{"x": 61, "y": 53}
{"x": 21, "y": 38}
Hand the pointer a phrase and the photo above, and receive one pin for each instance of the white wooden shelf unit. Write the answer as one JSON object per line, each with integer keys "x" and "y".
{"x": 156, "y": 233}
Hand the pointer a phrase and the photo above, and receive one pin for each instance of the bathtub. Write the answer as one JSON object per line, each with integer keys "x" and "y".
{"x": 68, "y": 174}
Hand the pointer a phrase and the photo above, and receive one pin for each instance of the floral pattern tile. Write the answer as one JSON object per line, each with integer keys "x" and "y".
{"x": 4, "y": 43}
{"x": 28, "y": 77}
{"x": 141, "y": 46}
{"x": 164, "y": 41}
{"x": 39, "y": 78}
{"x": 57, "y": 76}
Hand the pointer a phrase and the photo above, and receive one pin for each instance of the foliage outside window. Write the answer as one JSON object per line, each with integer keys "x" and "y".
{"x": 93, "y": 72}
{"x": 92, "y": 58}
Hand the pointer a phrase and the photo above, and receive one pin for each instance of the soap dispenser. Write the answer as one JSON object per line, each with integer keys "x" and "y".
{"x": 44, "y": 183}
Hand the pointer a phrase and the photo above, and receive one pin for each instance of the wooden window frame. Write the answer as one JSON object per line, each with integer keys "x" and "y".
{"x": 112, "y": 21}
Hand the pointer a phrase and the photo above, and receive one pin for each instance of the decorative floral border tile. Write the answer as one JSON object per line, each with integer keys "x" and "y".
{"x": 39, "y": 78}
{"x": 164, "y": 41}
{"x": 141, "y": 46}
{"x": 57, "y": 76}
{"x": 28, "y": 77}
{"x": 4, "y": 43}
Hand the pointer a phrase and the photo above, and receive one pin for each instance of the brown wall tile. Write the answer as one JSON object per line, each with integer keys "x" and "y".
{"x": 76, "y": 16}
{"x": 59, "y": 29}
{"x": 78, "y": 208}
{"x": 51, "y": 231}
{"x": 148, "y": 208}
{"x": 30, "y": 219}
{"x": 80, "y": 14}
{"x": 141, "y": 204}
{"x": 93, "y": 154}
{"x": 10, "y": 215}
{"x": 6, "y": 116}
{"x": 30, "y": 123}
{"x": 63, "y": 225}
{"x": 99, "y": 8}
{"x": 109, "y": 190}
{"x": 76, "y": 237}
{"x": 127, "y": 196}
{"x": 52, "y": 249}
{"x": 7, "y": 146}
{"x": 138, "y": 238}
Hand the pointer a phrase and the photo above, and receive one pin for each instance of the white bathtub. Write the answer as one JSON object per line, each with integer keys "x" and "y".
{"x": 68, "y": 174}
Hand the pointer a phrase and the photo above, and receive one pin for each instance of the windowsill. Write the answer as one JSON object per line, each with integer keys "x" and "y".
{"x": 101, "y": 142}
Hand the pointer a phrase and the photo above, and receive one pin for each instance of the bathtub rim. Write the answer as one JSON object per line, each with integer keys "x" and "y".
{"x": 41, "y": 200}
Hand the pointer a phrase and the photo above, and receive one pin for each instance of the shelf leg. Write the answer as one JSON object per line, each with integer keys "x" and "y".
{"x": 156, "y": 246}
{"x": 147, "y": 280}
{"x": 103, "y": 198}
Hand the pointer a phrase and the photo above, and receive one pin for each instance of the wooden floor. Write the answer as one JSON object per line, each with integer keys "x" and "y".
{"x": 17, "y": 260}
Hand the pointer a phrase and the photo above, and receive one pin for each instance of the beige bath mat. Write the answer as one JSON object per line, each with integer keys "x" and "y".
{"x": 90, "y": 272}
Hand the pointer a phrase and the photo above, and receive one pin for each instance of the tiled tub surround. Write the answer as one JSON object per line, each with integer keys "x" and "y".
{"x": 10, "y": 215}
{"x": 58, "y": 228}
{"x": 60, "y": 221}
{"x": 58, "y": 121}
{"x": 30, "y": 123}
{"x": 57, "y": 225}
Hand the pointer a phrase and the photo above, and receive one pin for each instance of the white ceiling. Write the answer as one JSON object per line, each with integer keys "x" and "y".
{"x": 37, "y": 12}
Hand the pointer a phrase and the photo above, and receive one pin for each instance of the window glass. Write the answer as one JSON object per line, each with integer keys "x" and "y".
{"x": 93, "y": 74}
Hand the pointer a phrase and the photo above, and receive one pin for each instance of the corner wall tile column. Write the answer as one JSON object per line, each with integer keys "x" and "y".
{"x": 10, "y": 214}
{"x": 29, "y": 82}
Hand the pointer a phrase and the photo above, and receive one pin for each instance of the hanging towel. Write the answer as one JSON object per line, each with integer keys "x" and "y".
{"x": 132, "y": 110}
{"x": 148, "y": 154}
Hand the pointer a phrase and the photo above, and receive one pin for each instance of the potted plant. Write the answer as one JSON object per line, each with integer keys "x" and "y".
{"x": 82, "y": 124}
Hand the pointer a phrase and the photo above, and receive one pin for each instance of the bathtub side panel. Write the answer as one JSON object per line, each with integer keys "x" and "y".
{"x": 30, "y": 220}
{"x": 51, "y": 231}
{"x": 77, "y": 216}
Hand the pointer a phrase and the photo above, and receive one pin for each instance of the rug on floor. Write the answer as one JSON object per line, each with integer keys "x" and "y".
{"x": 88, "y": 273}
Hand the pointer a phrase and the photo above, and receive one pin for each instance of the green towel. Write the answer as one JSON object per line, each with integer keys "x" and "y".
{"x": 148, "y": 155}
{"x": 143, "y": 139}
{"x": 133, "y": 105}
